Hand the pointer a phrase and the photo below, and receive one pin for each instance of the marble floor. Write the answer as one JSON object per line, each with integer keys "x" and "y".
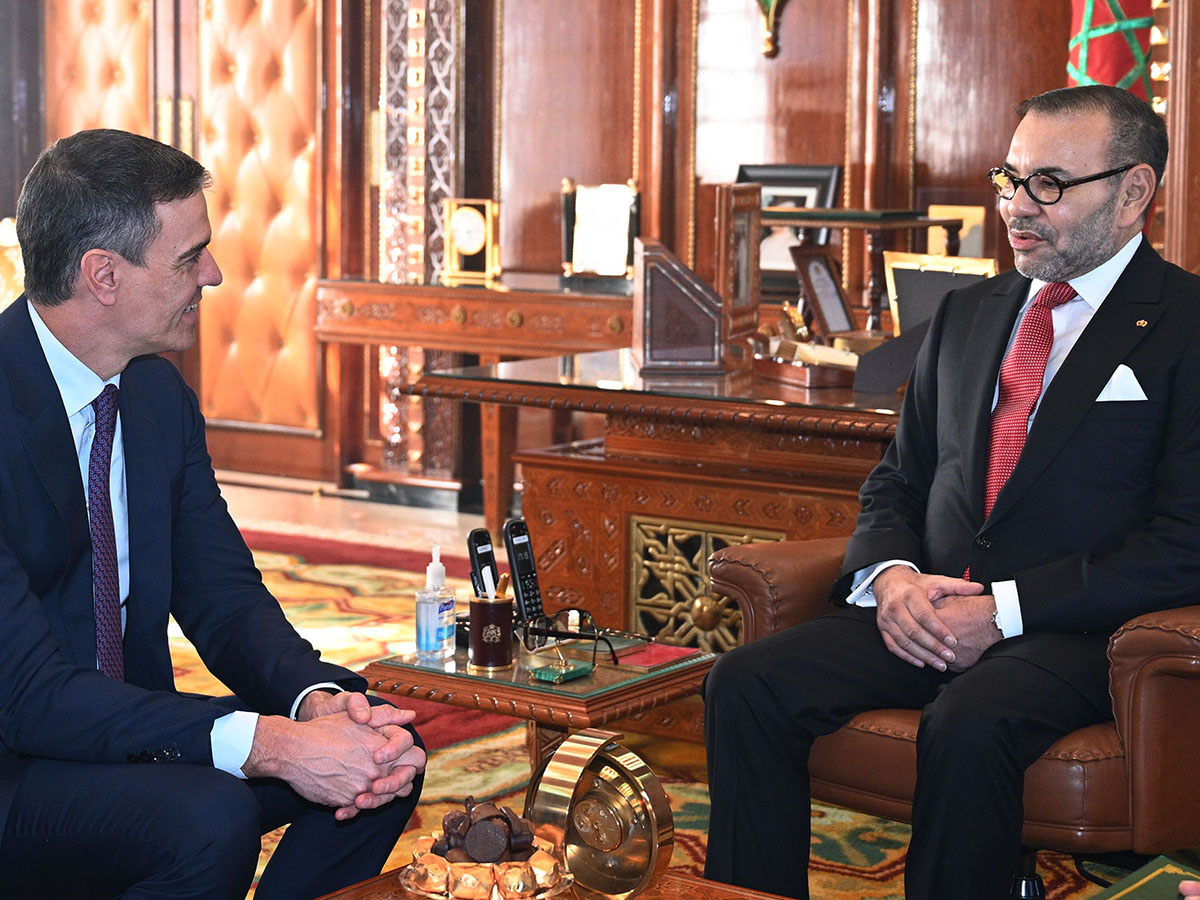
{"x": 288, "y": 506}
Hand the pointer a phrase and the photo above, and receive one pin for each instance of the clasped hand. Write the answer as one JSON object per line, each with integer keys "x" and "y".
{"x": 362, "y": 756}
{"x": 934, "y": 620}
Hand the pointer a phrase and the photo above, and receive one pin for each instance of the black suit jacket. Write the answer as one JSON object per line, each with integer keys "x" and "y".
{"x": 1100, "y": 520}
{"x": 186, "y": 558}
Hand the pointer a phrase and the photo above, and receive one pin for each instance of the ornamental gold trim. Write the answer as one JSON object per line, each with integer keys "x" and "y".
{"x": 670, "y": 594}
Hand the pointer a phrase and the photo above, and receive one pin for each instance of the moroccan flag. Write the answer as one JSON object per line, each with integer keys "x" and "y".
{"x": 1110, "y": 44}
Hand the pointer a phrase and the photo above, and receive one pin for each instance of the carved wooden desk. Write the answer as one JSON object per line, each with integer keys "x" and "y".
{"x": 525, "y": 315}
{"x": 624, "y": 525}
{"x": 607, "y": 694}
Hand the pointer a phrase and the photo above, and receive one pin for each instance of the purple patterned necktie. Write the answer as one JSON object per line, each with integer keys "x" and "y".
{"x": 106, "y": 584}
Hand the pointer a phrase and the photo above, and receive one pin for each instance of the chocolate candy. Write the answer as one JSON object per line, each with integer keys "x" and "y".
{"x": 481, "y": 811}
{"x": 487, "y": 839}
{"x": 457, "y": 821}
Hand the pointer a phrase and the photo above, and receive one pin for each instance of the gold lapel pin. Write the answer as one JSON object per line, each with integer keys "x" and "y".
{"x": 1142, "y": 323}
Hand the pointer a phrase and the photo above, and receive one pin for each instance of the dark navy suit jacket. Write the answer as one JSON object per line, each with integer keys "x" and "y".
{"x": 1100, "y": 520}
{"x": 186, "y": 558}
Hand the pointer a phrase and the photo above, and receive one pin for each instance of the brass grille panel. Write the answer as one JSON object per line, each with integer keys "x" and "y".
{"x": 669, "y": 582}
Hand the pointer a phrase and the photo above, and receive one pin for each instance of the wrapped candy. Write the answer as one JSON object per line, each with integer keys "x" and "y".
{"x": 471, "y": 881}
{"x": 484, "y": 852}
{"x": 545, "y": 869}
{"x": 431, "y": 873}
{"x": 515, "y": 880}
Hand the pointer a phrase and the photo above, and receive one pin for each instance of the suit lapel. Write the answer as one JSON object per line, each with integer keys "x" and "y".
{"x": 148, "y": 497}
{"x": 1127, "y": 315}
{"x": 50, "y": 449}
{"x": 986, "y": 343}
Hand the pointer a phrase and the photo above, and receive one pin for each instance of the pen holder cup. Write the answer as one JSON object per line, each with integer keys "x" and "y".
{"x": 490, "y": 645}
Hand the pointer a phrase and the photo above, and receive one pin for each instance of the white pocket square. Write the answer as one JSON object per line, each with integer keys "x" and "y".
{"x": 1122, "y": 386}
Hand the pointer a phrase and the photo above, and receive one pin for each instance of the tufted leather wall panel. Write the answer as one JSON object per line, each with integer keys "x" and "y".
{"x": 98, "y": 66}
{"x": 257, "y": 135}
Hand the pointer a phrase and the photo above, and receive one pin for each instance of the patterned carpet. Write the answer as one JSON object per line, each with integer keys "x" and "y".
{"x": 355, "y": 612}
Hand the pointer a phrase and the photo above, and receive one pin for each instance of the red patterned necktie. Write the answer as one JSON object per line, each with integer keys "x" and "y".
{"x": 106, "y": 585}
{"x": 1021, "y": 377}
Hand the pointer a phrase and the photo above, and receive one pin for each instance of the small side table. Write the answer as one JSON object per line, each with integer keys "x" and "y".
{"x": 607, "y": 694}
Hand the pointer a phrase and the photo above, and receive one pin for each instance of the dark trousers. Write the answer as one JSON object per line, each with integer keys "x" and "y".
{"x": 766, "y": 702}
{"x": 165, "y": 830}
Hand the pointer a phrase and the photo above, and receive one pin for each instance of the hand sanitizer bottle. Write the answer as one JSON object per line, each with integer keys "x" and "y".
{"x": 435, "y": 613}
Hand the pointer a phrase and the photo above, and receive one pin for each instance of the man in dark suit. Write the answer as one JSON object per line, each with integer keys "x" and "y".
{"x": 112, "y": 783}
{"x": 1020, "y": 516}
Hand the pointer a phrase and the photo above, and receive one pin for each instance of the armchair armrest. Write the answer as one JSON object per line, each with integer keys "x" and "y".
{"x": 777, "y": 584}
{"x": 1154, "y": 679}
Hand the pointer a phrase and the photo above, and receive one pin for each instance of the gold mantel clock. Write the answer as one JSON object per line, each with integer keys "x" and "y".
{"x": 472, "y": 248}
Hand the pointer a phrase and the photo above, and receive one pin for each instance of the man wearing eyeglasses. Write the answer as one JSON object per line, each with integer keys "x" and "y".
{"x": 1042, "y": 489}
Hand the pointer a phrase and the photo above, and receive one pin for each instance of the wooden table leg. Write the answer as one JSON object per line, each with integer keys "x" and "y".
{"x": 498, "y": 425}
{"x": 952, "y": 239}
{"x": 542, "y": 741}
{"x": 877, "y": 286}
{"x": 498, "y": 440}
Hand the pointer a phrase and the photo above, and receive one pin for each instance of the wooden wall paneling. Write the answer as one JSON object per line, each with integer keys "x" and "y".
{"x": 343, "y": 366}
{"x": 22, "y": 132}
{"x": 567, "y": 109}
{"x": 657, "y": 137}
{"x": 798, "y": 107}
{"x": 174, "y": 87}
{"x": 479, "y": 99}
{"x": 972, "y": 71}
{"x": 1182, "y": 210}
{"x": 681, "y": 161}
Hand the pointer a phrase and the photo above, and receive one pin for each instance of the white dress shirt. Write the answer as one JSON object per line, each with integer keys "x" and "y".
{"x": 1069, "y": 320}
{"x": 233, "y": 734}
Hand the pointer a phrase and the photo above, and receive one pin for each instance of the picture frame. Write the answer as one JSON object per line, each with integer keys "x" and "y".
{"x": 916, "y": 282}
{"x": 599, "y": 224}
{"x": 790, "y": 185}
{"x": 821, "y": 292}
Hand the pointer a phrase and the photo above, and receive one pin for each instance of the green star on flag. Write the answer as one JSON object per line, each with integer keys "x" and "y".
{"x": 1110, "y": 43}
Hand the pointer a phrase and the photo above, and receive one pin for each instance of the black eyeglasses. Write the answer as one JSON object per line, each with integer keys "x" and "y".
{"x": 1043, "y": 188}
{"x": 566, "y": 625}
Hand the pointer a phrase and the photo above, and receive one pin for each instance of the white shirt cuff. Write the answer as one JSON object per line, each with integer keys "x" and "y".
{"x": 327, "y": 685}
{"x": 863, "y": 592}
{"x": 1008, "y": 608}
{"x": 232, "y": 736}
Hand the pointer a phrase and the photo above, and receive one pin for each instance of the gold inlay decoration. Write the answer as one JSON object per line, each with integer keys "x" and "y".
{"x": 671, "y": 597}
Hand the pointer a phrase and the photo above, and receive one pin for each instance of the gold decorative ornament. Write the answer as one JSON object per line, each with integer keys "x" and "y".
{"x": 769, "y": 9}
{"x": 472, "y": 246}
{"x": 606, "y": 814}
{"x": 706, "y": 612}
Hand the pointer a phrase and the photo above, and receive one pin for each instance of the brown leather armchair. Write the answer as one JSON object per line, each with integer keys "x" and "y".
{"x": 1129, "y": 785}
